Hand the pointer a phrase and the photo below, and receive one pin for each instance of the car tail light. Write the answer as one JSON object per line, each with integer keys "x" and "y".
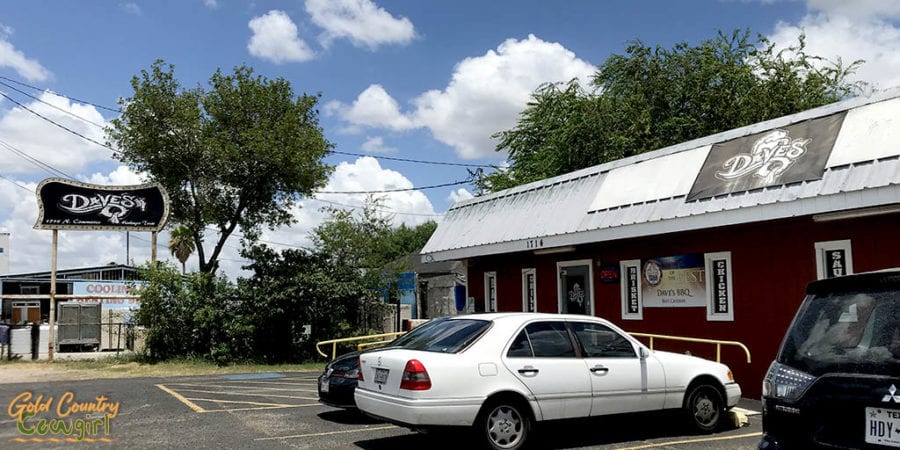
{"x": 359, "y": 371}
{"x": 415, "y": 377}
{"x": 353, "y": 374}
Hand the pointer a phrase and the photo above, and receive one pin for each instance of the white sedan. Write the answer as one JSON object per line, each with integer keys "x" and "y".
{"x": 501, "y": 372}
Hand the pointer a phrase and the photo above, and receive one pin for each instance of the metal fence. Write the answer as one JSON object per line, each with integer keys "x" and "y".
{"x": 32, "y": 340}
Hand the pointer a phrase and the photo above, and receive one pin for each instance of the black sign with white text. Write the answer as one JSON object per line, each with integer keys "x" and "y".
{"x": 791, "y": 154}
{"x": 835, "y": 263}
{"x": 720, "y": 285}
{"x": 72, "y": 205}
{"x": 633, "y": 286}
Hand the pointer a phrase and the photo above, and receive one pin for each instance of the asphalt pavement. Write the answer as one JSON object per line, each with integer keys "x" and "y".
{"x": 280, "y": 410}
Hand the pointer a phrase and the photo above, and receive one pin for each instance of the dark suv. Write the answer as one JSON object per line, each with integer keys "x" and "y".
{"x": 836, "y": 380}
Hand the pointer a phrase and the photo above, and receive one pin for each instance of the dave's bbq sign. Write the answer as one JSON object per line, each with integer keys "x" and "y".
{"x": 71, "y": 205}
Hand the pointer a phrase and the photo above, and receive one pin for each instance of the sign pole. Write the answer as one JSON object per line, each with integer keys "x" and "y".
{"x": 153, "y": 247}
{"x": 53, "y": 294}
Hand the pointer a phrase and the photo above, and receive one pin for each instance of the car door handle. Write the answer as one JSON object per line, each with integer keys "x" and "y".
{"x": 528, "y": 370}
{"x": 602, "y": 369}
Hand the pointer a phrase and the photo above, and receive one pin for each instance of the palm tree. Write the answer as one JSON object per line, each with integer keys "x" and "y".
{"x": 181, "y": 244}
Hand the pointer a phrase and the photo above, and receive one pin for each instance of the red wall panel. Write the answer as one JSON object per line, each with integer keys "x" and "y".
{"x": 771, "y": 264}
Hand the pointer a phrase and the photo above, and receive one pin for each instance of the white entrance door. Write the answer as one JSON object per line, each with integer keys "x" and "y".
{"x": 576, "y": 294}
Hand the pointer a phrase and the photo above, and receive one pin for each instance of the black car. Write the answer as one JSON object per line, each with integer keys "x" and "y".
{"x": 836, "y": 380}
{"x": 338, "y": 382}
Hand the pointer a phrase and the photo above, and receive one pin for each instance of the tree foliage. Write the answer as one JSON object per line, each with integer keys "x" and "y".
{"x": 337, "y": 289}
{"x": 653, "y": 97}
{"x": 181, "y": 244}
{"x": 367, "y": 241}
{"x": 238, "y": 155}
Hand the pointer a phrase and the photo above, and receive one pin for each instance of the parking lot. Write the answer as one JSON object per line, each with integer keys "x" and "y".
{"x": 279, "y": 410}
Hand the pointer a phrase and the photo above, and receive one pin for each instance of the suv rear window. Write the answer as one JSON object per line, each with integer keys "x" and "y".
{"x": 850, "y": 332}
{"x": 444, "y": 336}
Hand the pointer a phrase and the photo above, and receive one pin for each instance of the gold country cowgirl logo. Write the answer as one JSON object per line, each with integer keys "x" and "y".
{"x": 43, "y": 418}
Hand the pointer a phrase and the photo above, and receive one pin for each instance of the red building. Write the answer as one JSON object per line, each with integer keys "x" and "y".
{"x": 714, "y": 238}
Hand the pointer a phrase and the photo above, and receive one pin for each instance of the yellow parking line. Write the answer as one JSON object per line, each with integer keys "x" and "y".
{"x": 693, "y": 441}
{"x": 181, "y": 398}
{"x": 288, "y": 383}
{"x": 237, "y": 388}
{"x": 282, "y": 405}
{"x": 248, "y": 394}
{"x": 260, "y": 408}
{"x": 297, "y": 436}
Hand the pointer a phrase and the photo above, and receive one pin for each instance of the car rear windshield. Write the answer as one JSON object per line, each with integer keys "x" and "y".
{"x": 847, "y": 332}
{"x": 444, "y": 336}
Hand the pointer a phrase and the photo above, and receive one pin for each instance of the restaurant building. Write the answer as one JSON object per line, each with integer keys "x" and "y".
{"x": 714, "y": 238}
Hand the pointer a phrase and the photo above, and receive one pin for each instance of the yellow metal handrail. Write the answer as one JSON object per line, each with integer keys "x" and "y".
{"x": 335, "y": 342}
{"x": 718, "y": 343}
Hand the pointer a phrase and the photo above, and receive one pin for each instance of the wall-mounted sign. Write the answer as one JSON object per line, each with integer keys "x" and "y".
{"x": 632, "y": 306}
{"x": 785, "y": 155}
{"x": 110, "y": 294}
{"x": 72, "y": 205}
{"x": 720, "y": 306}
{"x": 673, "y": 281}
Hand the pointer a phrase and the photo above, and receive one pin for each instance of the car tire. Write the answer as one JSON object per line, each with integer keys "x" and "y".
{"x": 704, "y": 408}
{"x": 504, "y": 424}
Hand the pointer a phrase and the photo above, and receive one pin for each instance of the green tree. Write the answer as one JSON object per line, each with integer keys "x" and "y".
{"x": 653, "y": 97}
{"x": 367, "y": 241}
{"x": 181, "y": 244}
{"x": 239, "y": 155}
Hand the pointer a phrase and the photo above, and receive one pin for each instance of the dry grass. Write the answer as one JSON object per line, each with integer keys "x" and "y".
{"x": 128, "y": 367}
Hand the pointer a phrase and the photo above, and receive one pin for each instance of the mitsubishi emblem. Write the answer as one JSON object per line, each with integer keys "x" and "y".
{"x": 892, "y": 395}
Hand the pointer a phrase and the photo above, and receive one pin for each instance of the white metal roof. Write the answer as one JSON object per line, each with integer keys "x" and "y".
{"x": 645, "y": 194}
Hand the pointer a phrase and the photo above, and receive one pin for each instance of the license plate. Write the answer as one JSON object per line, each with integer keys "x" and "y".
{"x": 381, "y": 375}
{"x": 883, "y": 426}
{"x": 323, "y": 386}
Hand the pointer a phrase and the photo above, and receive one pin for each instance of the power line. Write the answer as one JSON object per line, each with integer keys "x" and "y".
{"x": 387, "y": 191}
{"x": 418, "y": 161}
{"x": 34, "y": 160}
{"x": 116, "y": 110}
{"x": 381, "y": 209}
{"x": 57, "y": 124}
{"x": 387, "y": 158}
{"x": 16, "y": 183}
{"x": 52, "y": 105}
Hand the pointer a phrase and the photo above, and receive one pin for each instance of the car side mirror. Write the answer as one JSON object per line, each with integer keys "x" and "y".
{"x": 644, "y": 352}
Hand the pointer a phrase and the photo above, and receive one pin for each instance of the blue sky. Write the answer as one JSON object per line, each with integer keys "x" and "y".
{"x": 410, "y": 79}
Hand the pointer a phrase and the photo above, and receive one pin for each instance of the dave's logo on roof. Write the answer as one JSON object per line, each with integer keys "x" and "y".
{"x": 770, "y": 156}
{"x": 774, "y": 157}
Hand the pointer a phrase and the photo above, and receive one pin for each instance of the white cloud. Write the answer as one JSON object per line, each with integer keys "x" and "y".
{"x": 374, "y": 108}
{"x": 211, "y": 4}
{"x": 27, "y": 68}
{"x": 275, "y": 39}
{"x": 857, "y": 9}
{"x": 460, "y": 195}
{"x": 131, "y": 8}
{"x": 364, "y": 174}
{"x": 851, "y": 31}
{"x": 361, "y": 21}
{"x": 376, "y": 145}
{"x": 485, "y": 95}
{"x": 48, "y": 143}
{"x": 122, "y": 176}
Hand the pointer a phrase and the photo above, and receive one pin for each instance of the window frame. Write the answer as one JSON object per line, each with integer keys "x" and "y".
{"x": 526, "y": 291}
